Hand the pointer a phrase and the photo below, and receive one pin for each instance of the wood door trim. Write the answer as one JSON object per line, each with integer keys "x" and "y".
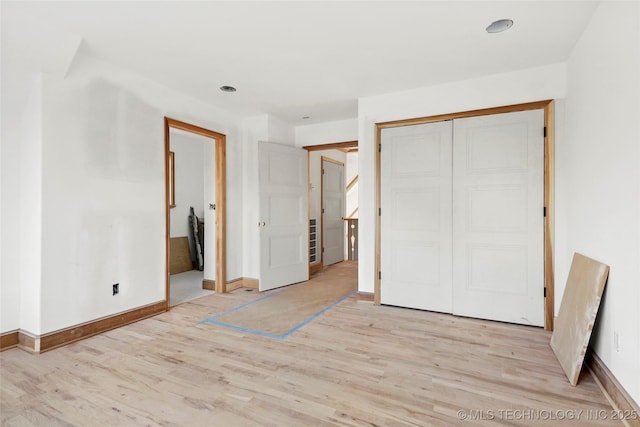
{"x": 549, "y": 221}
{"x": 332, "y": 146}
{"x": 220, "y": 141}
{"x": 538, "y": 105}
{"x": 549, "y": 165}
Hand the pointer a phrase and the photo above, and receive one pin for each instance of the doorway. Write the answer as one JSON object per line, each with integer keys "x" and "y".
{"x": 341, "y": 153}
{"x": 213, "y": 207}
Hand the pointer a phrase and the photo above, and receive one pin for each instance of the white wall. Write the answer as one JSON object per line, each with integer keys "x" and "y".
{"x": 22, "y": 215}
{"x": 327, "y": 132}
{"x": 280, "y": 132}
{"x": 13, "y": 146}
{"x": 530, "y": 85}
{"x": 189, "y": 163}
{"x": 598, "y": 182}
{"x": 103, "y": 190}
{"x": 254, "y": 129}
{"x": 30, "y": 183}
{"x": 258, "y": 128}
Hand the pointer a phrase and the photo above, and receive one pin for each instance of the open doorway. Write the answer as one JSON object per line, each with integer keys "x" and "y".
{"x": 195, "y": 210}
{"x": 333, "y": 204}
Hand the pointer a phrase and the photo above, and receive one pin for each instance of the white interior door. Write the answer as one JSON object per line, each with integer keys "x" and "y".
{"x": 284, "y": 234}
{"x": 415, "y": 217}
{"x": 333, "y": 189}
{"x": 498, "y": 184}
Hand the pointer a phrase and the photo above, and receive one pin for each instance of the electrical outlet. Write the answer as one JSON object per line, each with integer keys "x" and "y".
{"x": 116, "y": 288}
{"x": 616, "y": 342}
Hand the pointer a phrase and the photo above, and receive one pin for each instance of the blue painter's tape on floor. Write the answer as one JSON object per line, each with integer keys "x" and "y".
{"x": 212, "y": 320}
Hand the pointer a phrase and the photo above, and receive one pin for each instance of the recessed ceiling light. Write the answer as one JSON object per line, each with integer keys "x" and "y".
{"x": 227, "y": 88}
{"x": 499, "y": 26}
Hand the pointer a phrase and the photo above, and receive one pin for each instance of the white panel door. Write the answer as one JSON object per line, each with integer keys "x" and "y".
{"x": 498, "y": 184}
{"x": 284, "y": 234}
{"x": 415, "y": 221}
{"x": 333, "y": 189}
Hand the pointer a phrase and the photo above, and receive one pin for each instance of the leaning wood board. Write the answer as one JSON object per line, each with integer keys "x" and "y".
{"x": 578, "y": 311}
{"x": 179, "y": 255}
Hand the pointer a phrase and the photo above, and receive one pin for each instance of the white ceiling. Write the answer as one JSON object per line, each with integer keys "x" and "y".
{"x": 300, "y": 58}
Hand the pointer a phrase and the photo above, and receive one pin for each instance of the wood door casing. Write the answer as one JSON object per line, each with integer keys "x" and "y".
{"x": 220, "y": 198}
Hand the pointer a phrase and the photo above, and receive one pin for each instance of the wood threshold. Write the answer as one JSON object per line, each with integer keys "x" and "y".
{"x": 612, "y": 389}
{"x": 66, "y": 336}
{"x": 9, "y": 340}
{"x": 549, "y": 173}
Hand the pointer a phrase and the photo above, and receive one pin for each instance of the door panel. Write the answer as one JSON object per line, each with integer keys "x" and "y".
{"x": 284, "y": 240}
{"x": 415, "y": 222}
{"x": 498, "y": 184}
{"x": 333, "y": 197}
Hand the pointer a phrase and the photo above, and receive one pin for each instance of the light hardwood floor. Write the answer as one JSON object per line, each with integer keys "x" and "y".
{"x": 356, "y": 365}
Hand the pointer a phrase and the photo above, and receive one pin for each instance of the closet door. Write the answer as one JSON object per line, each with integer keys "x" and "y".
{"x": 498, "y": 184}
{"x": 415, "y": 217}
